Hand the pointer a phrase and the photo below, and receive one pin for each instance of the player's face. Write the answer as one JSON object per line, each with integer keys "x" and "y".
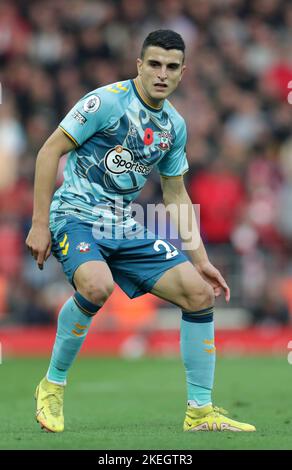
{"x": 160, "y": 72}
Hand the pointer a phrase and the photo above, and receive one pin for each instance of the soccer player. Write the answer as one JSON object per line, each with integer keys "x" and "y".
{"x": 116, "y": 134}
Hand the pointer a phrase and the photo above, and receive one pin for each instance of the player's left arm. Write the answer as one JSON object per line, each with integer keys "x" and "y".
{"x": 181, "y": 210}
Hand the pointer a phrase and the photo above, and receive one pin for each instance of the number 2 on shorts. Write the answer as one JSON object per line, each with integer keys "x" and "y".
{"x": 169, "y": 252}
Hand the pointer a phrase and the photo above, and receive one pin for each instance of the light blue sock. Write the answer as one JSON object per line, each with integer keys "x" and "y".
{"x": 74, "y": 321}
{"x": 198, "y": 354}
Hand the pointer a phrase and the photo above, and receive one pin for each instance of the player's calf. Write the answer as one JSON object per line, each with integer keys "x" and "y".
{"x": 73, "y": 324}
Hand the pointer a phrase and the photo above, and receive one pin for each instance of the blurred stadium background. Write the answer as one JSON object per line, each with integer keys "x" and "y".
{"x": 234, "y": 98}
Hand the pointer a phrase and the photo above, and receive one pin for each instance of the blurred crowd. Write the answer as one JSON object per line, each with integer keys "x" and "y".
{"x": 234, "y": 98}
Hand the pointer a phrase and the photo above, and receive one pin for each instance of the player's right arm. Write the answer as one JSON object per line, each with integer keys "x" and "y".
{"x": 92, "y": 113}
{"x": 39, "y": 238}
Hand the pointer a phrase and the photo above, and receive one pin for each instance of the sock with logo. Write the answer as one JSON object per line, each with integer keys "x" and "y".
{"x": 198, "y": 354}
{"x": 74, "y": 321}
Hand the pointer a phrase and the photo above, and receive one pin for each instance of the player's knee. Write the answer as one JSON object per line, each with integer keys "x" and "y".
{"x": 97, "y": 292}
{"x": 198, "y": 300}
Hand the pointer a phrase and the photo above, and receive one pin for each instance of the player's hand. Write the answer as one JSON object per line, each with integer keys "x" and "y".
{"x": 213, "y": 277}
{"x": 39, "y": 243}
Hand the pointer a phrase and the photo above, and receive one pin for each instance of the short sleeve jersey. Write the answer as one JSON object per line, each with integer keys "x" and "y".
{"x": 119, "y": 139}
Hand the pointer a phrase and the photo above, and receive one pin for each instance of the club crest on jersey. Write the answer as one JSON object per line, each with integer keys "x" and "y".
{"x": 91, "y": 104}
{"x": 165, "y": 140}
{"x": 83, "y": 247}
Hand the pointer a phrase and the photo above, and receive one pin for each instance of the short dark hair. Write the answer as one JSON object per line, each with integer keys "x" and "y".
{"x": 165, "y": 38}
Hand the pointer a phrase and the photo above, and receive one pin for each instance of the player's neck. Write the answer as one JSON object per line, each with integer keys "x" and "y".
{"x": 157, "y": 104}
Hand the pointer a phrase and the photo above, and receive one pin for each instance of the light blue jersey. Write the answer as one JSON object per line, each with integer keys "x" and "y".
{"x": 119, "y": 140}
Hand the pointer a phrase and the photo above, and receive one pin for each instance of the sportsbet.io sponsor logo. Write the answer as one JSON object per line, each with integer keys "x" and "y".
{"x": 121, "y": 160}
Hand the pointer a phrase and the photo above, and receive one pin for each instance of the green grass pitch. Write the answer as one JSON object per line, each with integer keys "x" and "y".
{"x": 140, "y": 404}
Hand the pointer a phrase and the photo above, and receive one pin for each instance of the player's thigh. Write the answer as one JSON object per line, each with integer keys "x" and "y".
{"x": 183, "y": 286}
{"x": 82, "y": 259}
{"x": 94, "y": 281}
{"x": 140, "y": 262}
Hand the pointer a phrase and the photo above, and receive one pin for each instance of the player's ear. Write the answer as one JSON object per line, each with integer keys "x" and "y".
{"x": 139, "y": 65}
{"x": 182, "y": 71}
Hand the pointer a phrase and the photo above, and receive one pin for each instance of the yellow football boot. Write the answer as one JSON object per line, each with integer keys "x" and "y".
{"x": 49, "y": 406}
{"x": 212, "y": 418}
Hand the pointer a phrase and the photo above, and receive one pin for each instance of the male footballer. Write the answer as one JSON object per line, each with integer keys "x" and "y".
{"x": 115, "y": 136}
